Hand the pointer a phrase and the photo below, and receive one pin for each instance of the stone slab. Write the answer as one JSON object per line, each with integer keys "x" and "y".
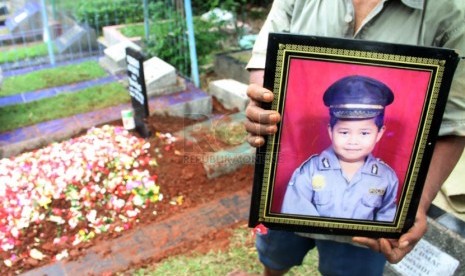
{"x": 231, "y": 93}
{"x": 36, "y": 136}
{"x": 76, "y": 38}
{"x": 38, "y": 95}
{"x": 159, "y": 74}
{"x": 26, "y": 19}
{"x": 178, "y": 86}
{"x": 18, "y": 135}
{"x": 11, "y": 100}
{"x": 189, "y": 109}
{"x": 208, "y": 122}
{"x": 112, "y": 35}
{"x": 111, "y": 66}
{"x": 215, "y": 159}
{"x": 98, "y": 117}
{"x": 117, "y": 52}
{"x": 192, "y": 103}
{"x": 230, "y": 68}
{"x": 426, "y": 259}
{"x": 229, "y": 160}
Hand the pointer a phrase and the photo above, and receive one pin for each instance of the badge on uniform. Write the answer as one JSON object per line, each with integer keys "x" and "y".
{"x": 318, "y": 182}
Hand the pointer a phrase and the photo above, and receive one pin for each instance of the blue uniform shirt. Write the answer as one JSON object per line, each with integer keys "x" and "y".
{"x": 319, "y": 188}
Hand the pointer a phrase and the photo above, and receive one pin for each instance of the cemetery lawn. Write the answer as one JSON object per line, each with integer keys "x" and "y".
{"x": 63, "y": 105}
{"x": 24, "y": 52}
{"x": 53, "y": 77}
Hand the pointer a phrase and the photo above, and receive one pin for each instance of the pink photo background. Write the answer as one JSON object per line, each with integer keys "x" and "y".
{"x": 304, "y": 129}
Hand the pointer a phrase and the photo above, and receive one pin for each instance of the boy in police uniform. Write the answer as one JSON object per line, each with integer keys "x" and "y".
{"x": 346, "y": 180}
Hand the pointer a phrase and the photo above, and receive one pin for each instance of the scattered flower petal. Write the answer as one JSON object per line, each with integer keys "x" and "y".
{"x": 36, "y": 254}
{"x": 62, "y": 255}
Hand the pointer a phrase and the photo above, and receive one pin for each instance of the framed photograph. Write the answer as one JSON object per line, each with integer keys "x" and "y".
{"x": 359, "y": 124}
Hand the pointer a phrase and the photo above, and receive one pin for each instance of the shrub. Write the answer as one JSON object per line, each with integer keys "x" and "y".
{"x": 168, "y": 39}
{"x": 100, "y": 13}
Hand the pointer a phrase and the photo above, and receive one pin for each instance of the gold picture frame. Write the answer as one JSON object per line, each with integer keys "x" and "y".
{"x": 299, "y": 70}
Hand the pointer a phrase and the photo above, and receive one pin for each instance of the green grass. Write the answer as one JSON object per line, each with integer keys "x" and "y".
{"x": 23, "y": 52}
{"x": 64, "y": 105}
{"x": 135, "y": 30}
{"x": 51, "y": 77}
{"x": 241, "y": 255}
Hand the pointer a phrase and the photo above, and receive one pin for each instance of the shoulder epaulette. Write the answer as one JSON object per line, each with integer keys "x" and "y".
{"x": 325, "y": 162}
{"x": 374, "y": 169}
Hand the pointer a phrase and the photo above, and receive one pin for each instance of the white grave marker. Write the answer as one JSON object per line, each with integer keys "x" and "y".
{"x": 158, "y": 73}
{"x": 426, "y": 259}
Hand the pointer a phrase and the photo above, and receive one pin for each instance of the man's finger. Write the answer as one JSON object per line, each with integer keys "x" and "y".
{"x": 255, "y": 141}
{"x": 414, "y": 234}
{"x": 259, "y": 129}
{"x": 259, "y": 94}
{"x": 368, "y": 242}
{"x": 258, "y": 115}
{"x": 393, "y": 254}
{"x": 407, "y": 241}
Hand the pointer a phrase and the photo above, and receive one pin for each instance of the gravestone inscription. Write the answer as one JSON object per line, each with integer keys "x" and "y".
{"x": 137, "y": 90}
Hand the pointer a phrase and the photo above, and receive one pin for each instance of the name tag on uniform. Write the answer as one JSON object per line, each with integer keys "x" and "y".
{"x": 379, "y": 192}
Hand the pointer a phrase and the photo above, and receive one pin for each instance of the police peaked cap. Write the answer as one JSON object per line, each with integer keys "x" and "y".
{"x": 357, "y": 97}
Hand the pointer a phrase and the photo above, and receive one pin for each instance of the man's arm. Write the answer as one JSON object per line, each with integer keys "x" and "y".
{"x": 446, "y": 154}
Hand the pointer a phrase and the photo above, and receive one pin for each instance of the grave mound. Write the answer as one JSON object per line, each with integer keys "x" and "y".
{"x": 183, "y": 185}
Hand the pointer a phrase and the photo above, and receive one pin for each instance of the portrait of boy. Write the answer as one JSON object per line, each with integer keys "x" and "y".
{"x": 345, "y": 180}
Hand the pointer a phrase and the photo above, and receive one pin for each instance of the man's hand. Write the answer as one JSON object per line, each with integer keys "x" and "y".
{"x": 260, "y": 122}
{"x": 395, "y": 250}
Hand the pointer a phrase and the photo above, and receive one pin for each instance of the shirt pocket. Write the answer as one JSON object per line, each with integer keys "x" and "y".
{"x": 372, "y": 201}
{"x": 322, "y": 197}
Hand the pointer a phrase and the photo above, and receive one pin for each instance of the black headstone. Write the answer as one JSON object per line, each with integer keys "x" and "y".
{"x": 3, "y": 13}
{"x": 137, "y": 90}
{"x": 3, "y": 9}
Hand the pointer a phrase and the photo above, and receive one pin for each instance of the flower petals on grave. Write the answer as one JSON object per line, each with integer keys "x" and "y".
{"x": 92, "y": 184}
